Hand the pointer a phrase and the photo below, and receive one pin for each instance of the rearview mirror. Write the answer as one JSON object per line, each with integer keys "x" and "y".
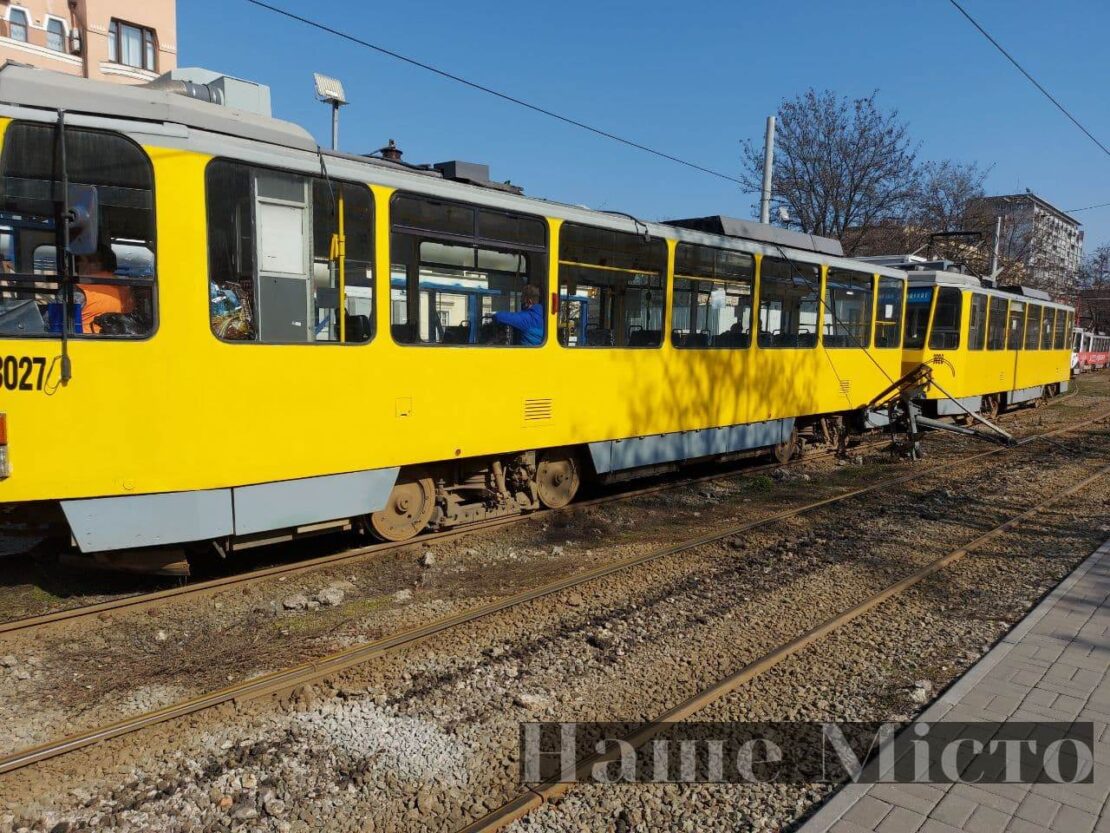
{"x": 84, "y": 219}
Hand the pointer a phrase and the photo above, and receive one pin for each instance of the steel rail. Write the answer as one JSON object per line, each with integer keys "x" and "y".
{"x": 534, "y": 797}
{"x": 314, "y": 670}
{"x": 143, "y": 601}
{"x": 200, "y": 589}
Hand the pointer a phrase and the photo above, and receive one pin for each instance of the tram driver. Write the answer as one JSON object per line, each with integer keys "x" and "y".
{"x": 529, "y": 321}
{"x": 101, "y": 298}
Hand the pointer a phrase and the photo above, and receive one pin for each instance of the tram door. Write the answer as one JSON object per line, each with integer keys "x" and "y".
{"x": 283, "y": 224}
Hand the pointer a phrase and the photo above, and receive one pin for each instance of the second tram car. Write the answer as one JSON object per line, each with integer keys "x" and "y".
{"x": 989, "y": 348}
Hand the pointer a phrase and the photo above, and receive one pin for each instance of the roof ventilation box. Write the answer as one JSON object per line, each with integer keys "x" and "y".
{"x": 227, "y": 90}
{"x": 750, "y": 230}
{"x": 473, "y": 174}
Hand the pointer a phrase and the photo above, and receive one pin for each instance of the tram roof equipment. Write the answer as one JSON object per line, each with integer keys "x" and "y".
{"x": 751, "y": 230}
{"x": 212, "y": 102}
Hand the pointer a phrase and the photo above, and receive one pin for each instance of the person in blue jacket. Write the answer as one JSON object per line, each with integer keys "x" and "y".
{"x": 529, "y": 321}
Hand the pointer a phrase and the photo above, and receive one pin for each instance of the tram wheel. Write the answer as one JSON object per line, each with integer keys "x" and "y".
{"x": 557, "y": 478}
{"x": 991, "y": 405}
{"x": 785, "y": 451}
{"x": 408, "y": 510}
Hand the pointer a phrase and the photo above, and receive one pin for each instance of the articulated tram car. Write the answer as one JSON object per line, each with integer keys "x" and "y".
{"x": 989, "y": 348}
{"x": 215, "y": 334}
{"x": 1091, "y": 351}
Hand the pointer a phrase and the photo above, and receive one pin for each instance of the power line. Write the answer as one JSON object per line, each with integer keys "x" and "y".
{"x": 1032, "y": 80}
{"x": 1087, "y": 207}
{"x": 482, "y": 88}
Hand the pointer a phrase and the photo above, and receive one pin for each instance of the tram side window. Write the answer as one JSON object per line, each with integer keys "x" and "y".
{"x": 1063, "y": 329}
{"x": 112, "y": 292}
{"x": 919, "y": 301}
{"x": 789, "y": 303}
{"x": 611, "y": 288}
{"x": 888, "y": 314}
{"x": 1048, "y": 326}
{"x": 455, "y": 266}
{"x": 977, "y": 323}
{"x": 712, "y": 303}
{"x": 1033, "y": 327}
{"x": 945, "y": 334}
{"x": 996, "y": 319}
{"x": 278, "y": 272}
{"x": 848, "y": 302}
{"x": 1014, "y": 328}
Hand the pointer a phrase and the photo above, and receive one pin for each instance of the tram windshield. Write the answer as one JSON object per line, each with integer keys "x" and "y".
{"x": 919, "y": 301}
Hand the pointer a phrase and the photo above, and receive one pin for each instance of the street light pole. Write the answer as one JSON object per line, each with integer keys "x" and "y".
{"x": 768, "y": 167}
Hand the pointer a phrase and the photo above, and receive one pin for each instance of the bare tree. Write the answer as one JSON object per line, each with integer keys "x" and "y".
{"x": 1094, "y": 272}
{"x": 945, "y": 192}
{"x": 841, "y": 165}
{"x": 943, "y": 195}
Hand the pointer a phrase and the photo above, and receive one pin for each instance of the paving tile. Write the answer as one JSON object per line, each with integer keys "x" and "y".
{"x": 1040, "y": 697}
{"x": 1038, "y": 809}
{"x": 979, "y": 795}
{"x": 867, "y": 812}
{"x": 1074, "y": 820}
{"x": 936, "y": 826}
{"x": 1019, "y": 825}
{"x": 953, "y": 809}
{"x": 1068, "y": 705}
{"x": 1089, "y": 797}
{"x": 900, "y": 820}
{"x": 901, "y": 795}
{"x": 987, "y": 820}
{"x": 844, "y": 826}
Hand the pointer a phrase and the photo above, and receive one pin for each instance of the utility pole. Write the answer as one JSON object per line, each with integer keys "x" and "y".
{"x": 997, "y": 241}
{"x": 768, "y": 166}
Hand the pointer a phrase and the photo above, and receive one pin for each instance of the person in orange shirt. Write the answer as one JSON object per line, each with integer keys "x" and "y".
{"x": 101, "y": 298}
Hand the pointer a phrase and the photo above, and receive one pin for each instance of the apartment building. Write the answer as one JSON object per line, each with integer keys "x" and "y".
{"x": 129, "y": 41}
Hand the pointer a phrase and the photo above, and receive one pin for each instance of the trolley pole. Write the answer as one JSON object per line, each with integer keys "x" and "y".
{"x": 768, "y": 166}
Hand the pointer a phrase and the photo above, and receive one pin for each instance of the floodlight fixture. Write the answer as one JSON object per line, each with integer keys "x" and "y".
{"x": 330, "y": 90}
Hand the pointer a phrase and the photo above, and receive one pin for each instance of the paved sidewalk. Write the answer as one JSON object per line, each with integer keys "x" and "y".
{"x": 1054, "y": 666}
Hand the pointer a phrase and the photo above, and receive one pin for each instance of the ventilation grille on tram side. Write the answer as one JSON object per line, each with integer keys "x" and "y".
{"x": 537, "y": 410}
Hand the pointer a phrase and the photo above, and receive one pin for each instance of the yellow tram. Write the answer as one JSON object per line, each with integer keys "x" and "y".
{"x": 989, "y": 348}
{"x": 214, "y": 332}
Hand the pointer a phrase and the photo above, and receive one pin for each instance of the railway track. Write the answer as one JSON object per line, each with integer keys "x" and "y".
{"x": 144, "y": 601}
{"x": 536, "y": 796}
{"x": 313, "y": 671}
{"x": 199, "y": 589}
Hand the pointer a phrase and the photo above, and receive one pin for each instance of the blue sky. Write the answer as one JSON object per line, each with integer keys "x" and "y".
{"x": 693, "y": 79}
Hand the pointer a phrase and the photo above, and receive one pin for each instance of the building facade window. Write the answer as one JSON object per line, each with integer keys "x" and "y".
{"x": 133, "y": 46}
{"x": 55, "y": 34}
{"x": 17, "y": 24}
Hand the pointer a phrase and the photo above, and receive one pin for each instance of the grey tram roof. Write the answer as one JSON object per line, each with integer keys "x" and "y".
{"x": 177, "y": 120}
{"x": 33, "y": 87}
{"x": 933, "y": 277}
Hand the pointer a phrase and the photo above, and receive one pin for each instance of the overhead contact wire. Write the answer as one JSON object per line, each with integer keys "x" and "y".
{"x": 490, "y": 91}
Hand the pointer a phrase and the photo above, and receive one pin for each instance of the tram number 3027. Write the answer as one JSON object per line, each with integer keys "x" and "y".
{"x": 22, "y": 372}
